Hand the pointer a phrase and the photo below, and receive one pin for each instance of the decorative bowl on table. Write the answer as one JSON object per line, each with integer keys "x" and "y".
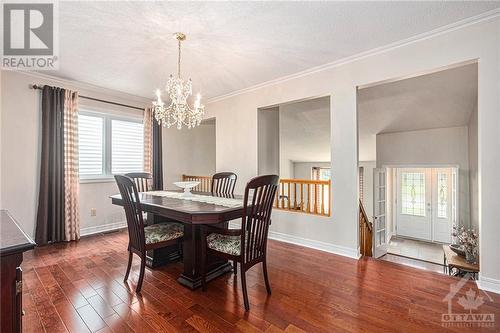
{"x": 187, "y": 186}
{"x": 458, "y": 249}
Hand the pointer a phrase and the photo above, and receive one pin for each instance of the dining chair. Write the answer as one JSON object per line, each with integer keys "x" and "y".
{"x": 144, "y": 238}
{"x": 143, "y": 180}
{"x": 223, "y": 183}
{"x": 247, "y": 245}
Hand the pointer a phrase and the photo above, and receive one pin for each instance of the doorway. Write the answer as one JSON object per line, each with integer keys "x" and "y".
{"x": 426, "y": 203}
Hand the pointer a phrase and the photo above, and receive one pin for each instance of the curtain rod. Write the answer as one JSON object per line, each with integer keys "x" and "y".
{"x": 40, "y": 87}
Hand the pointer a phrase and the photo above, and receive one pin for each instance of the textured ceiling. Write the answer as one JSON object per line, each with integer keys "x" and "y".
{"x": 128, "y": 46}
{"x": 442, "y": 99}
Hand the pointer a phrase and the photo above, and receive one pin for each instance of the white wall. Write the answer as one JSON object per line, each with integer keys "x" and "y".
{"x": 473, "y": 170}
{"x": 190, "y": 152}
{"x": 269, "y": 141}
{"x": 20, "y": 150}
{"x": 237, "y": 130}
{"x": 438, "y": 147}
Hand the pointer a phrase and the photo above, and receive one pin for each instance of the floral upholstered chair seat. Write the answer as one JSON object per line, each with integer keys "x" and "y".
{"x": 161, "y": 232}
{"x": 226, "y": 243}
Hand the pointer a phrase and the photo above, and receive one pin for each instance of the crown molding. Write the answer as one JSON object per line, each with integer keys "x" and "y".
{"x": 379, "y": 50}
{"x": 82, "y": 85}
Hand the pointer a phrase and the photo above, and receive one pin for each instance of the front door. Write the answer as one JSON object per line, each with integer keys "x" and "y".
{"x": 414, "y": 203}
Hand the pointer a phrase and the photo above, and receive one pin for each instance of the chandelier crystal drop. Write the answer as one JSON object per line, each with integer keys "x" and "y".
{"x": 178, "y": 112}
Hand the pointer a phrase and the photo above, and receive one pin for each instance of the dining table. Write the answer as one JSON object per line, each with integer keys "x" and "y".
{"x": 164, "y": 206}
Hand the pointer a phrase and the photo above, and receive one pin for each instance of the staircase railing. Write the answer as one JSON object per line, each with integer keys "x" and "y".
{"x": 304, "y": 195}
{"x": 365, "y": 232}
{"x": 205, "y": 182}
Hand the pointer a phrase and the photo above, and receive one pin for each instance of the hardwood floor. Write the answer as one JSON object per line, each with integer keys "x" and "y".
{"x": 78, "y": 287}
{"x": 429, "y": 266}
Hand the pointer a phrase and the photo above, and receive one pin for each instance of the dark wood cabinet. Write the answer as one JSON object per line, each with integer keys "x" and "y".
{"x": 13, "y": 242}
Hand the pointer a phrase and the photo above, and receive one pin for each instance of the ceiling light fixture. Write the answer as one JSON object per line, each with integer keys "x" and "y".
{"x": 178, "y": 112}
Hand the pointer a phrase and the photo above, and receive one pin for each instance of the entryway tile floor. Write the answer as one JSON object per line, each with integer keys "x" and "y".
{"x": 416, "y": 249}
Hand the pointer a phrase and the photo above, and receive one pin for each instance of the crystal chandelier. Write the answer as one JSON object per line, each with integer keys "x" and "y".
{"x": 178, "y": 112}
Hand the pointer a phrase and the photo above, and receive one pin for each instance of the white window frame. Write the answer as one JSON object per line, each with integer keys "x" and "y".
{"x": 106, "y": 175}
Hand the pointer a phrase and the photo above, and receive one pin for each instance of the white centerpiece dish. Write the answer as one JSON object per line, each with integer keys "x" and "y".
{"x": 187, "y": 186}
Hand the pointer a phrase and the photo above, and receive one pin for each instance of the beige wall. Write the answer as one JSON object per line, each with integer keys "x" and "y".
{"x": 269, "y": 141}
{"x": 190, "y": 152}
{"x": 303, "y": 170}
{"x": 20, "y": 150}
{"x": 237, "y": 131}
{"x": 473, "y": 170}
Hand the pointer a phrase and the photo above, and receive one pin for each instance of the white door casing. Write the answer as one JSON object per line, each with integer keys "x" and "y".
{"x": 380, "y": 241}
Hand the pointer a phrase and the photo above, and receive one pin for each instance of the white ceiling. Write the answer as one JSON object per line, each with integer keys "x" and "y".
{"x": 305, "y": 130}
{"x": 127, "y": 46}
{"x": 442, "y": 99}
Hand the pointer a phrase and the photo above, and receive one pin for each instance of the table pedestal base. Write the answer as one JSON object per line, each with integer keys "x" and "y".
{"x": 162, "y": 256}
{"x": 193, "y": 283}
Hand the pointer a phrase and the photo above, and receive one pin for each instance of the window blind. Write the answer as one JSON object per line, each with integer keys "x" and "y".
{"x": 90, "y": 145}
{"x": 127, "y": 146}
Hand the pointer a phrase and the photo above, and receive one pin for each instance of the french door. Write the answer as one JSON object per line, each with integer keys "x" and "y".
{"x": 425, "y": 209}
{"x": 380, "y": 241}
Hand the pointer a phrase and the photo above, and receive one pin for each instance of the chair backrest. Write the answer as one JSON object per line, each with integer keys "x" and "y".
{"x": 224, "y": 183}
{"x": 133, "y": 211}
{"x": 143, "y": 180}
{"x": 256, "y": 219}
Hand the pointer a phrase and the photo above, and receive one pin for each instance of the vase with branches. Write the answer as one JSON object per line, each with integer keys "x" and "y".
{"x": 469, "y": 240}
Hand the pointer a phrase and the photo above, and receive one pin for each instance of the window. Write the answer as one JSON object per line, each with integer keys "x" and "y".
{"x": 413, "y": 193}
{"x": 109, "y": 145}
{"x": 442, "y": 194}
{"x": 320, "y": 173}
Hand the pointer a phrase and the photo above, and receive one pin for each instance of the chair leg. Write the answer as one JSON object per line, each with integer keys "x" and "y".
{"x": 128, "y": 266}
{"x": 141, "y": 274}
{"x": 235, "y": 267}
{"x": 244, "y": 287}
{"x": 266, "y": 278}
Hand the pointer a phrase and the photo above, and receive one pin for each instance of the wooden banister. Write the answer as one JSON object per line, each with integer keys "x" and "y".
{"x": 365, "y": 232}
{"x": 205, "y": 182}
{"x": 304, "y": 196}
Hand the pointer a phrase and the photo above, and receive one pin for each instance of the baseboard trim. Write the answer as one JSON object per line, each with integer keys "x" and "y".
{"x": 102, "y": 228}
{"x": 488, "y": 284}
{"x": 278, "y": 236}
{"x": 314, "y": 244}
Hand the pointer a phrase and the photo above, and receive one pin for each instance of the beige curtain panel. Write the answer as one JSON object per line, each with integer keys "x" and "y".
{"x": 71, "y": 177}
{"x": 148, "y": 143}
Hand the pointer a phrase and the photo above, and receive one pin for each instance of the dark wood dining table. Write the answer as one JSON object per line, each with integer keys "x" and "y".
{"x": 192, "y": 214}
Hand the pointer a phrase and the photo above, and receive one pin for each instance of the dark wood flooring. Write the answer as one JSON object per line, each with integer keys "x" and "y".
{"x": 78, "y": 287}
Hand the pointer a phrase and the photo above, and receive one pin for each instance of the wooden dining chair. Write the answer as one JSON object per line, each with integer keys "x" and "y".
{"x": 223, "y": 183}
{"x": 143, "y": 180}
{"x": 246, "y": 245}
{"x": 144, "y": 238}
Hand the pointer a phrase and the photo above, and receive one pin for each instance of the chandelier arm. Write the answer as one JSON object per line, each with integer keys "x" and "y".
{"x": 179, "y": 59}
